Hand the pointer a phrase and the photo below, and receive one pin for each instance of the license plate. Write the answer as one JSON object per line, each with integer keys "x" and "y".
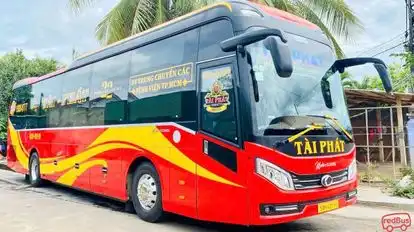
{"x": 328, "y": 206}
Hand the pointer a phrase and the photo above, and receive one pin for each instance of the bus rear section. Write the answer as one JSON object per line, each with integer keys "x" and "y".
{"x": 242, "y": 120}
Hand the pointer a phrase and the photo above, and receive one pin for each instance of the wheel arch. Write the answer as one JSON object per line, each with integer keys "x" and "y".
{"x": 133, "y": 166}
{"x": 33, "y": 150}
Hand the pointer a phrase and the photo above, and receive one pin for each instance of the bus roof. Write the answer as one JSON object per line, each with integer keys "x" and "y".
{"x": 31, "y": 80}
{"x": 232, "y": 9}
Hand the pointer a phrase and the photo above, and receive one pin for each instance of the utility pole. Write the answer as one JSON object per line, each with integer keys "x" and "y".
{"x": 410, "y": 33}
{"x": 410, "y": 49}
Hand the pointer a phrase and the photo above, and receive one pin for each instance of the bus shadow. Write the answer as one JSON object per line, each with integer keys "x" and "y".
{"x": 66, "y": 193}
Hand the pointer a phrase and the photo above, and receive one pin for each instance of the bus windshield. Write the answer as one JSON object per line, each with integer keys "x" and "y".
{"x": 297, "y": 96}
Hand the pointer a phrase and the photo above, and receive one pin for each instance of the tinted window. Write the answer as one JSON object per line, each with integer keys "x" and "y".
{"x": 37, "y": 106}
{"x": 218, "y": 115}
{"x": 109, "y": 91}
{"x": 20, "y": 107}
{"x": 162, "y": 85}
{"x": 166, "y": 53}
{"x": 75, "y": 98}
{"x": 210, "y": 37}
{"x": 46, "y": 100}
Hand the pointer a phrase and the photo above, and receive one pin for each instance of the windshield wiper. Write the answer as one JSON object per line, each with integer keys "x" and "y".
{"x": 313, "y": 126}
{"x": 337, "y": 123}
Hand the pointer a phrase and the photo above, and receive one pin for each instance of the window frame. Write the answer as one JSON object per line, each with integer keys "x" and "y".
{"x": 66, "y": 76}
{"x": 217, "y": 62}
{"x": 200, "y": 40}
{"x": 193, "y": 31}
{"x": 94, "y": 77}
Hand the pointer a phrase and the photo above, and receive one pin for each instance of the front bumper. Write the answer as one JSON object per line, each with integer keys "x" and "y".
{"x": 286, "y": 206}
{"x": 282, "y": 213}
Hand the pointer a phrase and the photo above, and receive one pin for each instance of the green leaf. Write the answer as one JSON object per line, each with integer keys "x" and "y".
{"x": 15, "y": 66}
{"x": 307, "y": 13}
{"x": 143, "y": 16}
{"x": 78, "y": 5}
{"x": 336, "y": 15}
{"x": 117, "y": 24}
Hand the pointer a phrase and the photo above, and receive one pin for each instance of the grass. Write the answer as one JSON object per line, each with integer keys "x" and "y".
{"x": 388, "y": 184}
{"x": 408, "y": 191}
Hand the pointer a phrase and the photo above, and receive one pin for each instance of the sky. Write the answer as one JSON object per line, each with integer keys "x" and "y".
{"x": 48, "y": 28}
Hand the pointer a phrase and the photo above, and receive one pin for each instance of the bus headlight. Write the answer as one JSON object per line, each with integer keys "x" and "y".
{"x": 352, "y": 169}
{"x": 274, "y": 174}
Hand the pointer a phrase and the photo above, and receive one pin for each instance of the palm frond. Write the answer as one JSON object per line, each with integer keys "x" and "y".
{"x": 350, "y": 84}
{"x": 307, "y": 13}
{"x": 78, "y": 5}
{"x": 143, "y": 16}
{"x": 336, "y": 14}
{"x": 285, "y": 5}
{"x": 181, "y": 7}
{"x": 116, "y": 24}
{"x": 161, "y": 11}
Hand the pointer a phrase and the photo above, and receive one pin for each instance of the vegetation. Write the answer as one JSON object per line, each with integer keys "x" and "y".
{"x": 129, "y": 17}
{"x": 407, "y": 191}
{"x": 15, "y": 66}
{"x": 400, "y": 77}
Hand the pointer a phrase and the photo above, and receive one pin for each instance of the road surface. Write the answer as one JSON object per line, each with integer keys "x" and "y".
{"x": 55, "y": 208}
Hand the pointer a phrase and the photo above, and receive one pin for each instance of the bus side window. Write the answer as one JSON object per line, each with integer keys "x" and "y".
{"x": 19, "y": 107}
{"x": 210, "y": 37}
{"x": 109, "y": 91}
{"x": 218, "y": 113}
{"x": 46, "y": 99}
{"x": 75, "y": 98}
{"x": 161, "y": 85}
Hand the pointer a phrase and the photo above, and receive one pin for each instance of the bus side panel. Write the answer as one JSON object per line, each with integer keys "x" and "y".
{"x": 230, "y": 200}
{"x": 217, "y": 197}
{"x": 183, "y": 189}
{"x": 12, "y": 161}
{"x": 78, "y": 160}
{"x": 109, "y": 180}
{"x": 162, "y": 167}
{"x": 219, "y": 202}
{"x": 177, "y": 185}
{"x": 181, "y": 159}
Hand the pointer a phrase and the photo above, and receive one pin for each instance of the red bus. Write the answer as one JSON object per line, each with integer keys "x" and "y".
{"x": 234, "y": 113}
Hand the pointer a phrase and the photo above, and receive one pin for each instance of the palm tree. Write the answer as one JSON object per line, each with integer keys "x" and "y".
{"x": 334, "y": 17}
{"x": 348, "y": 81}
{"x": 129, "y": 17}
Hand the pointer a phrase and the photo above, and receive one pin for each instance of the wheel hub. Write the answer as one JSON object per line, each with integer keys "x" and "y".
{"x": 34, "y": 170}
{"x": 147, "y": 192}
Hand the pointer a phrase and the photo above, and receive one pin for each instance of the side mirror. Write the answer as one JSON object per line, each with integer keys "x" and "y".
{"x": 274, "y": 41}
{"x": 326, "y": 93}
{"x": 378, "y": 64}
{"x": 281, "y": 55}
{"x": 250, "y": 37}
{"x": 385, "y": 77}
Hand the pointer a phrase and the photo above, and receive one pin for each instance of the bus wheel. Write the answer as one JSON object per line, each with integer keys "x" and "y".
{"x": 34, "y": 171}
{"x": 146, "y": 193}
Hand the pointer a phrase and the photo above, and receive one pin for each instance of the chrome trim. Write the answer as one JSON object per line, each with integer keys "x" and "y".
{"x": 300, "y": 187}
{"x": 305, "y": 181}
{"x": 219, "y": 58}
{"x": 339, "y": 178}
{"x": 112, "y": 126}
{"x": 286, "y": 208}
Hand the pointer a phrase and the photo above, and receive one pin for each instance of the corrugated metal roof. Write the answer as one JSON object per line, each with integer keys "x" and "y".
{"x": 361, "y": 97}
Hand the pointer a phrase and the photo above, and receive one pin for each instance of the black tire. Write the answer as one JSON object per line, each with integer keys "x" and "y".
{"x": 156, "y": 213}
{"x": 35, "y": 179}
